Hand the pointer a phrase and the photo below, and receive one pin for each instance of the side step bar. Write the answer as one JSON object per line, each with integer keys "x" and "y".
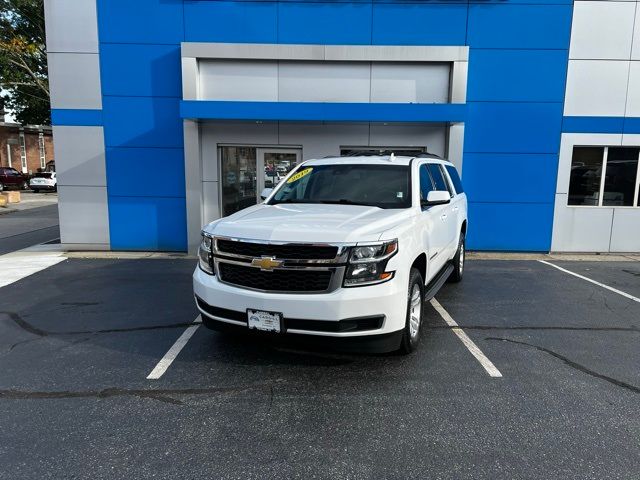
{"x": 434, "y": 285}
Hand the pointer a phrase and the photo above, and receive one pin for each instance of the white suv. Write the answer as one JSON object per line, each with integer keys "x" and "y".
{"x": 347, "y": 248}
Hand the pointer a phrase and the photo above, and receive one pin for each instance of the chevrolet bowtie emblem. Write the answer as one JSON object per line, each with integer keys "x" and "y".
{"x": 266, "y": 264}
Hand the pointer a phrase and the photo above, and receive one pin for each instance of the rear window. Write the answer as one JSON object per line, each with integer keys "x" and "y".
{"x": 455, "y": 178}
{"x": 43, "y": 175}
{"x": 438, "y": 177}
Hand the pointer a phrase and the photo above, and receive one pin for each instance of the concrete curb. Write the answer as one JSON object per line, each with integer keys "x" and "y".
{"x": 565, "y": 257}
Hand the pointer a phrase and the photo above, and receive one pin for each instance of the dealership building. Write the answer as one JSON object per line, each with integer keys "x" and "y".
{"x": 169, "y": 114}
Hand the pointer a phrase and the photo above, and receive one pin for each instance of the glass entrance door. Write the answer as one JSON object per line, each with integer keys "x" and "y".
{"x": 276, "y": 164}
{"x": 246, "y": 171}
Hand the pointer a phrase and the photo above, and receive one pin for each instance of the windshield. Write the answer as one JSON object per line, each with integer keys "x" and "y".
{"x": 383, "y": 186}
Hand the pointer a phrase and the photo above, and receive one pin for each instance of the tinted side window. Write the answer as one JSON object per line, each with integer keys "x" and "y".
{"x": 455, "y": 178}
{"x": 426, "y": 185}
{"x": 438, "y": 179}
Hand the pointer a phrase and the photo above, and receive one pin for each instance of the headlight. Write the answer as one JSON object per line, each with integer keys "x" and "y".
{"x": 204, "y": 255}
{"x": 367, "y": 264}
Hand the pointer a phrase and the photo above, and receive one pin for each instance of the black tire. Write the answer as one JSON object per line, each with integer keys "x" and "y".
{"x": 25, "y": 186}
{"x": 411, "y": 332}
{"x": 1, "y": 187}
{"x": 458, "y": 261}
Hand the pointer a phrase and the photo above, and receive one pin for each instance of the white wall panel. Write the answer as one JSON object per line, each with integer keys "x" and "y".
{"x": 580, "y": 229}
{"x": 79, "y": 153}
{"x": 455, "y": 146}
{"x": 84, "y": 215}
{"x": 635, "y": 50}
{"x": 631, "y": 139}
{"x": 324, "y": 82}
{"x": 211, "y": 201}
{"x": 321, "y": 139}
{"x": 625, "y": 234}
{"x": 596, "y": 88}
{"x": 242, "y": 80}
{"x": 297, "y": 81}
{"x": 74, "y": 80}
{"x": 408, "y": 135}
{"x": 71, "y": 26}
{"x": 602, "y": 30}
{"x": 633, "y": 95}
{"x": 410, "y": 82}
{"x": 193, "y": 183}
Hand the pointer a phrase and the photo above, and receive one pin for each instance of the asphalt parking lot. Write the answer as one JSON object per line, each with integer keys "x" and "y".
{"x": 79, "y": 339}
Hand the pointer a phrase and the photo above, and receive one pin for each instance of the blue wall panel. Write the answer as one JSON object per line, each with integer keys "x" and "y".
{"x": 239, "y": 22}
{"x": 419, "y": 24}
{"x": 76, "y": 117}
{"x": 142, "y": 122}
{"x": 324, "y": 23}
{"x": 519, "y": 26}
{"x": 513, "y": 127}
{"x": 517, "y": 75}
{"x": 510, "y": 226}
{"x": 140, "y": 21}
{"x": 514, "y": 178}
{"x": 329, "y": 112}
{"x": 145, "y": 172}
{"x": 144, "y": 223}
{"x": 516, "y": 83}
{"x": 151, "y": 70}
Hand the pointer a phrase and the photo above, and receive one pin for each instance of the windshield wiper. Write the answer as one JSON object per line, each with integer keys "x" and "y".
{"x": 344, "y": 201}
{"x": 290, "y": 200}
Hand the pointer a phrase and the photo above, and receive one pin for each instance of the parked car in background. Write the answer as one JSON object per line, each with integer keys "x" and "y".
{"x": 12, "y": 178}
{"x": 44, "y": 181}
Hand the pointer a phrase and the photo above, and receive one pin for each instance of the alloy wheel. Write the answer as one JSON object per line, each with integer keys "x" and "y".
{"x": 415, "y": 313}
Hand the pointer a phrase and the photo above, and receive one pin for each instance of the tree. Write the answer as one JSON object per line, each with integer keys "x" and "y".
{"x": 23, "y": 61}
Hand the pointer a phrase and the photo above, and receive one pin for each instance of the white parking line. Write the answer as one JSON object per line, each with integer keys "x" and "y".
{"x": 472, "y": 347}
{"x": 166, "y": 361}
{"x": 614, "y": 290}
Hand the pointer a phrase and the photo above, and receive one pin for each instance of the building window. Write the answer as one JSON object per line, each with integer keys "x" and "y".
{"x": 23, "y": 152}
{"x": 43, "y": 153}
{"x": 605, "y": 176}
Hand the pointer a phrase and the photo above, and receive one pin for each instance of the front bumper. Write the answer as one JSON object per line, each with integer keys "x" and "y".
{"x": 346, "y": 312}
{"x": 41, "y": 186}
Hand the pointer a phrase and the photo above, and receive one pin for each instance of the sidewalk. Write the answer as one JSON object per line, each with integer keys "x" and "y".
{"x": 29, "y": 200}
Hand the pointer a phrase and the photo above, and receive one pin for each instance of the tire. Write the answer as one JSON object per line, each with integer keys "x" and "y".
{"x": 413, "y": 323}
{"x": 458, "y": 261}
{"x": 1, "y": 187}
{"x": 25, "y": 186}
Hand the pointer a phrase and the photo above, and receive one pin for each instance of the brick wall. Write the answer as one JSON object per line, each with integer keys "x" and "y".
{"x": 10, "y": 135}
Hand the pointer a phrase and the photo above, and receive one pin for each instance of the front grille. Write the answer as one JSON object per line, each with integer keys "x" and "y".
{"x": 290, "y": 251}
{"x": 277, "y": 280}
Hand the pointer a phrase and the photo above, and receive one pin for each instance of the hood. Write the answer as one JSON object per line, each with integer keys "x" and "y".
{"x": 320, "y": 223}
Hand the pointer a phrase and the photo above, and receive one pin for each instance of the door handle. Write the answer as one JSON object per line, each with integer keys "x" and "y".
{"x": 443, "y": 216}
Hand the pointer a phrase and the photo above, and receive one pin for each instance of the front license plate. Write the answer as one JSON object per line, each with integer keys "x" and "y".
{"x": 267, "y": 321}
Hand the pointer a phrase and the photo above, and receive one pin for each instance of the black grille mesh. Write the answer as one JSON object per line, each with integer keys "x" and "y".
{"x": 277, "y": 280}
{"x": 293, "y": 252}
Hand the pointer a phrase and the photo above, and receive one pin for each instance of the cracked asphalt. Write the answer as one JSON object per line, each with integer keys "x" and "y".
{"x": 78, "y": 339}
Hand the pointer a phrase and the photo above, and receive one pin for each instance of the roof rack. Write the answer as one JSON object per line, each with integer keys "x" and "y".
{"x": 429, "y": 155}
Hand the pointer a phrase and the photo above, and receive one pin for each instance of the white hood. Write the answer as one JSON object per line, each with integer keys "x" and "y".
{"x": 320, "y": 223}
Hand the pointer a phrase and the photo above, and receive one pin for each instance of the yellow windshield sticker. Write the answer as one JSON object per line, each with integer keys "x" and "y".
{"x": 300, "y": 174}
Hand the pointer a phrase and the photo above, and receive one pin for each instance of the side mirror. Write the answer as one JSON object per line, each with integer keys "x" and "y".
{"x": 436, "y": 197}
{"x": 265, "y": 193}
